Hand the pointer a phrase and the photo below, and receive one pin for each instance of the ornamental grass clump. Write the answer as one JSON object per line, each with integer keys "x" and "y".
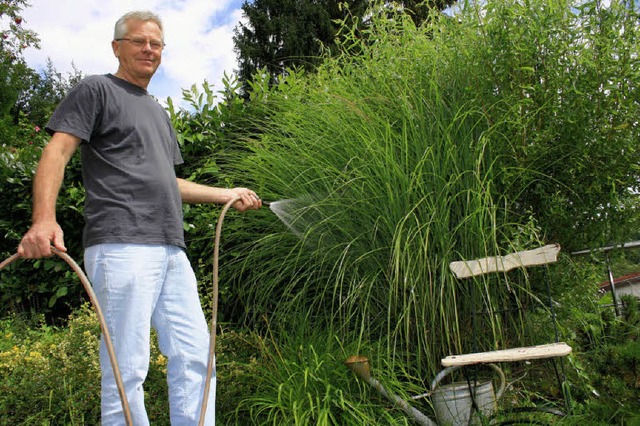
{"x": 392, "y": 155}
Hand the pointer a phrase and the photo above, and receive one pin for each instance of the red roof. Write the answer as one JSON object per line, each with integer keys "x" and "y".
{"x": 623, "y": 280}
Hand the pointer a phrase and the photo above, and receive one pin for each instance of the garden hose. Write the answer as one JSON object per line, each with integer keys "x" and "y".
{"x": 103, "y": 325}
{"x": 214, "y": 313}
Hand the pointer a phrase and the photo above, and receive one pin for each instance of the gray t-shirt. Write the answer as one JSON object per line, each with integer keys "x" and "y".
{"x": 129, "y": 150}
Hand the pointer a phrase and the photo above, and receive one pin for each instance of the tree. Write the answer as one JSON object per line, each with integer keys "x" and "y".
{"x": 14, "y": 39}
{"x": 283, "y": 34}
{"x": 419, "y": 9}
{"x": 25, "y": 94}
{"x": 27, "y": 99}
{"x": 45, "y": 91}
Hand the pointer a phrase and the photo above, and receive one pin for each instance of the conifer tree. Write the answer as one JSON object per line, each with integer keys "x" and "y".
{"x": 281, "y": 34}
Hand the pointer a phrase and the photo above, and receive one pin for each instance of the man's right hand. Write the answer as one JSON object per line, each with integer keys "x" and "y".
{"x": 37, "y": 242}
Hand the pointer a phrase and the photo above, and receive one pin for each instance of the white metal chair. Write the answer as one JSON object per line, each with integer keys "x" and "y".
{"x": 500, "y": 265}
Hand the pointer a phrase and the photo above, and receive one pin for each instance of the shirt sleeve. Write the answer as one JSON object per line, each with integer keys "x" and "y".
{"x": 78, "y": 113}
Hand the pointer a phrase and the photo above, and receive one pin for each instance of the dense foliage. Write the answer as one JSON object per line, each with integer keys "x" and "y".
{"x": 27, "y": 98}
{"x": 14, "y": 39}
{"x": 51, "y": 375}
{"x": 510, "y": 125}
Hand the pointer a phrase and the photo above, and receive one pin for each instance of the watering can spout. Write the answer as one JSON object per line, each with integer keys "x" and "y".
{"x": 360, "y": 366}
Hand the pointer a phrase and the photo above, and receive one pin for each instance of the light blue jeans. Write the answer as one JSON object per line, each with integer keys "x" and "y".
{"x": 138, "y": 287}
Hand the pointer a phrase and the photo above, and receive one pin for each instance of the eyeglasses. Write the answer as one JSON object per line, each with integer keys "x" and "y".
{"x": 141, "y": 42}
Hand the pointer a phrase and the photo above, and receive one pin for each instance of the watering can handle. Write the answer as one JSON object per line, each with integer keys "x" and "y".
{"x": 441, "y": 375}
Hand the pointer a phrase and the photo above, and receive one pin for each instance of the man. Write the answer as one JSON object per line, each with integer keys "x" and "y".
{"x": 133, "y": 235}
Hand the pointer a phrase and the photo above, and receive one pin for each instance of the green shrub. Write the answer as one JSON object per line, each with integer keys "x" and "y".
{"x": 51, "y": 375}
{"x": 605, "y": 364}
{"x": 238, "y": 356}
{"x": 45, "y": 286}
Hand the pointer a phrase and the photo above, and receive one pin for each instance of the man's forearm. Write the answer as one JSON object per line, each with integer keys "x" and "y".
{"x": 46, "y": 185}
{"x": 194, "y": 193}
{"x": 48, "y": 180}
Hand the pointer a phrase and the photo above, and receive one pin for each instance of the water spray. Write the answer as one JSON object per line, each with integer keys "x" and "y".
{"x": 284, "y": 210}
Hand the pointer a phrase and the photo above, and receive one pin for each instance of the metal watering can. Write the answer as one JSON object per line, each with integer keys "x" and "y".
{"x": 453, "y": 403}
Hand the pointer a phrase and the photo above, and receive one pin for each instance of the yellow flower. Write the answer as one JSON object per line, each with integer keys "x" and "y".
{"x": 161, "y": 360}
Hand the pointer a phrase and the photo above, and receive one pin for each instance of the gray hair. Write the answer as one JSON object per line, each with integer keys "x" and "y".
{"x": 120, "y": 29}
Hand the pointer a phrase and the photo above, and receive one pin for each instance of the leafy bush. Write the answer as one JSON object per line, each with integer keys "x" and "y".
{"x": 238, "y": 356}
{"x": 609, "y": 357}
{"x": 46, "y": 286}
{"x": 51, "y": 375}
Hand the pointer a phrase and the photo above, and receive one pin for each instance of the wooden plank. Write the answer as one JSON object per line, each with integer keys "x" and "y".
{"x": 521, "y": 259}
{"x": 509, "y": 355}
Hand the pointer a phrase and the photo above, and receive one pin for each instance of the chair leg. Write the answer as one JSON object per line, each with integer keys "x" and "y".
{"x": 562, "y": 383}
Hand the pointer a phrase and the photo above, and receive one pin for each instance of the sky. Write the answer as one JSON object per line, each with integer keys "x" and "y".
{"x": 198, "y": 36}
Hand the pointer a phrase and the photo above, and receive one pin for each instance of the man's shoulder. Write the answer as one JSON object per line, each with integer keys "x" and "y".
{"x": 90, "y": 83}
{"x": 95, "y": 80}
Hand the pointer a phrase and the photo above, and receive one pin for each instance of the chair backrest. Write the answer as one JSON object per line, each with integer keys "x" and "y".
{"x": 522, "y": 259}
{"x": 496, "y": 265}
